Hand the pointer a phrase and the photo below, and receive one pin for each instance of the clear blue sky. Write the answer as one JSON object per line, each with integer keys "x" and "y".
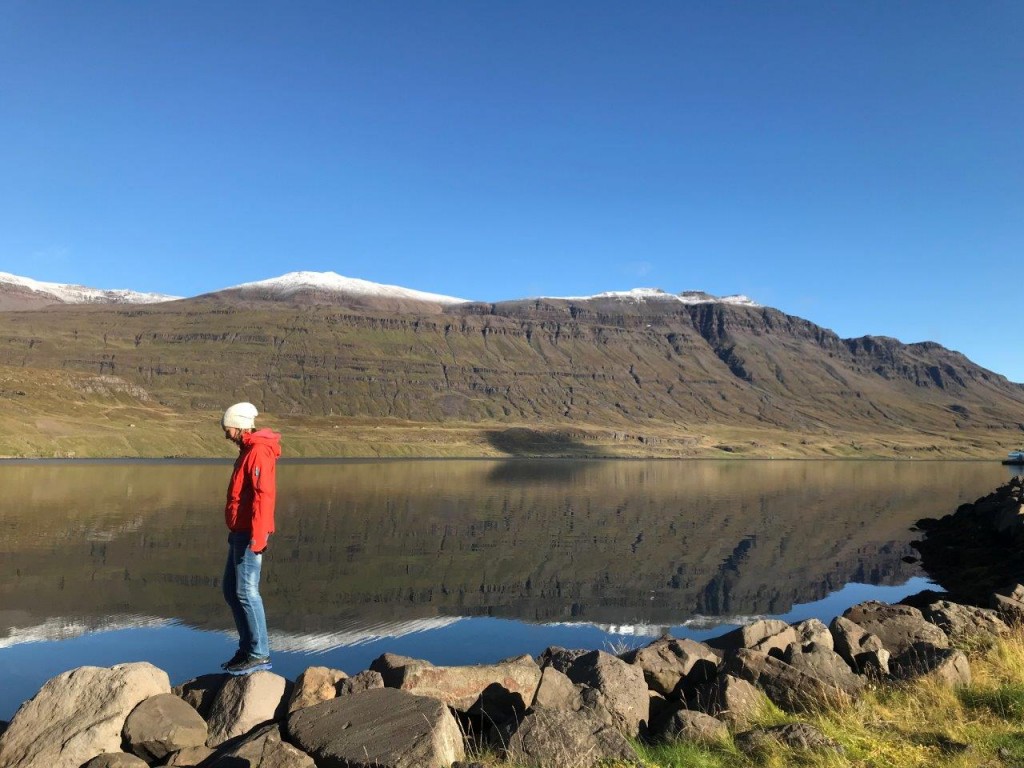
{"x": 859, "y": 164}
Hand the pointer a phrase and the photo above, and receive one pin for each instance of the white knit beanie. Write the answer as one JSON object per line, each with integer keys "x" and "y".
{"x": 240, "y": 416}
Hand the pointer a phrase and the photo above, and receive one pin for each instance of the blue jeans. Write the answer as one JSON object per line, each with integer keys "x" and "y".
{"x": 242, "y": 593}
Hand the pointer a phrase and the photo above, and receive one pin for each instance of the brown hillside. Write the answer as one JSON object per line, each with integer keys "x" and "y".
{"x": 670, "y": 378}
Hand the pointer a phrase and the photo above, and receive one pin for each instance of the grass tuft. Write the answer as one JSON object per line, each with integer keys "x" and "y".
{"x": 1005, "y": 701}
{"x": 688, "y": 755}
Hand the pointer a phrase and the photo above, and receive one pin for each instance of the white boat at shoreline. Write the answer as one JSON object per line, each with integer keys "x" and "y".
{"x": 1014, "y": 457}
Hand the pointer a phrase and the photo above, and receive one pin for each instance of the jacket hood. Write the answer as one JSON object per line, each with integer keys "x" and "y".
{"x": 265, "y": 437}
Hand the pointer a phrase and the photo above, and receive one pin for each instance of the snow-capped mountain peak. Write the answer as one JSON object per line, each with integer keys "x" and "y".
{"x": 24, "y": 292}
{"x": 79, "y": 294}
{"x": 640, "y": 295}
{"x": 294, "y": 282}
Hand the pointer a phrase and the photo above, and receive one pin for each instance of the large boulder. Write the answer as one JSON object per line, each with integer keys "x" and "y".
{"x": 163, "y": 724}
{"x": 201, "y": 691}
{"x": 681, "y": 724}
{"x": 556, "y": 738}
{"x": 382, "y": 728}
{"x": 811, "y": 634}
{"x": 366, "y": 680}
{"x": 245, "y": 702}
{"x": 1009, "y": 608}
{"x": 859, "y": 648}
{"x": 672, "y": 666}
{"x": 559, "y": 658}
{"x": 495, "y": 691}
{"x": 557, "y": 691}
{"x": 765, "y": 635}
{"x": 961, "y": 622}
{"x": 898, "y": 626}
{"x": 730, "y": 699}
{"x": 788, "y": 687}
{"x": 313, "y": 685}
{"x": 827, "y": 666}
{"x": 622, "y": 688}
{"x": 78, "y": 715}
{"x": 263, "y": 748}
{"x": 392, "y": 666}
{"x": 945, "y": 665}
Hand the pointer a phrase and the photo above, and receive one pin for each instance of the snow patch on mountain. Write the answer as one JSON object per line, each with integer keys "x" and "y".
{"x": 640, "y": 295}
{"x": 293, "y": 282}
{"x": 79, "y": 294}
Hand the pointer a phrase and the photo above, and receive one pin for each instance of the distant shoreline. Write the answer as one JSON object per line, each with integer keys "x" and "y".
{"x": 41, "y": 460}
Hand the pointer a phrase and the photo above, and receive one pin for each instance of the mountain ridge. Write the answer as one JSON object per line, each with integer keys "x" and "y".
{"x": 17, "y": 292}
{"x": 301, "y": 284}
{"x": 399, "y": 375}
{"x": 547, "y": 376}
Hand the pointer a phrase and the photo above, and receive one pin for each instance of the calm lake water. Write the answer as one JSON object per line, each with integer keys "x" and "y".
{"x": 452, "y": 561}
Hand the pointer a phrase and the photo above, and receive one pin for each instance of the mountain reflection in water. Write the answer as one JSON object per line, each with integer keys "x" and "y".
{"x": 365, "y": 544}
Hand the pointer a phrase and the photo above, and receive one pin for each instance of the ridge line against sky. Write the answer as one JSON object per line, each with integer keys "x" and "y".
{"x": 331, "y": 281}
{"x": 858, "y": 165}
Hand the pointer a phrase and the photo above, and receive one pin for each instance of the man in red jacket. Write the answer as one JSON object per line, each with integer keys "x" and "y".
{"x": 249, "y": 514}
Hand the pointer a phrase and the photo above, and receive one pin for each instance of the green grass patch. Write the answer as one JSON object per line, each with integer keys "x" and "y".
{"x": 688, "y": 755}
{"x": 1005, "y": 701}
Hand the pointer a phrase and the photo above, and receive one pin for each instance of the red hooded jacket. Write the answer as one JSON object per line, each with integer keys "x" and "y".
{"x": 252, "y": 489}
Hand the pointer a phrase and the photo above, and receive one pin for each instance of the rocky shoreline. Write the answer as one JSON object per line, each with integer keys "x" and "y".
{"x": 563, "y": 709}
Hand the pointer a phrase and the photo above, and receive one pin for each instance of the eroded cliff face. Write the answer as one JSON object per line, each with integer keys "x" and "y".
{"x": 599, "y": 362}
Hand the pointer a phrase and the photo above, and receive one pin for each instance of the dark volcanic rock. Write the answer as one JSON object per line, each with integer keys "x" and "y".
{"x": 731, "y": 699}
{"x": 622, "y": 688}
{"x": 681, "y": 724}
{"x": 383, "y": 727}
{"x": 264, "y": 748}
{"x": 672, "y": 666}
{"x": 493, "y": 691}
{"x": 392, "y": 667}
{"x": 557, "y": 691}
{"x": 788, "y": 687}
{"x": 827, "y": 666}
{"x": 947, "y": 665}
{"x": 812, "y": 634}
{"x": 766, "y": 635}
{"x": 559, "y": 739}
{"x": 1009, "y": 604}
{"x": 899, "y": 627}
{"x": 977, "y": 550}
{"x": 560, "y": 658}
{"x": 860, "y": 649}
{"x": 367, "y": 680}
{"x": 964, "y": 621}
